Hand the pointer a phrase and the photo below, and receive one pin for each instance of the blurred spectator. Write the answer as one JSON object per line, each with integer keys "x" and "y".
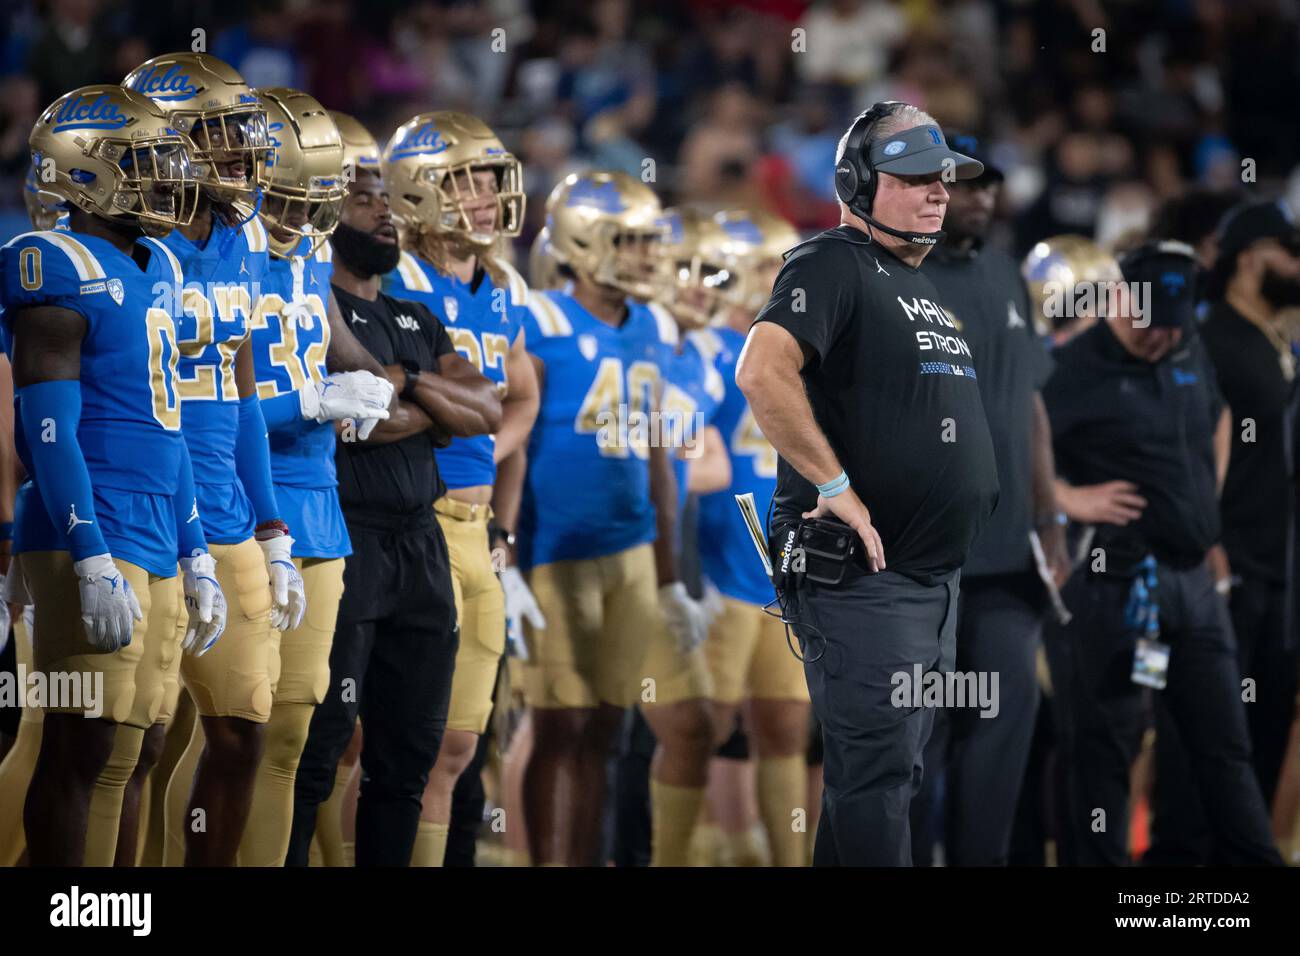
{"x": 262, "y": 50}
{"x": 69, "y": 51}
{"x": 723, "y": 145}
{"x": 849, "y": 42}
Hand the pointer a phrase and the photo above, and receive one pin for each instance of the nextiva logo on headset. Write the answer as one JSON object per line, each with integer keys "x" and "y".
{"x": 919, "y": 151}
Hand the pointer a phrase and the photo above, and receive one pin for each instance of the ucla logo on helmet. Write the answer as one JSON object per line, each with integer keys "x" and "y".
{"x": 743, "y": 230}
{"x": 604, "y": 196}
{"x": 894, "y": 148}
{"x": 425, "y": 138}
{"x": 77, "y": 113}
{"x": 172, "y": 83}
{"x": 673, "y": 223}
{"x": 271, "y": 130}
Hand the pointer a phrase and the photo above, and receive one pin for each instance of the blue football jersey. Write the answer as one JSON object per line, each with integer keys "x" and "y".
{"x": 692, "y": 395}
{"x": 587, "y": 492}
{"x": 129, "y": 431}
{"x": 727, "y": 555}
{"x": 483, "y": 322}
{"x": 291, "y": 336}
{"x": 223, "y": 279}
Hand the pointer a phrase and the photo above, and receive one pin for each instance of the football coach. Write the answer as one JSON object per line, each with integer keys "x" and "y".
{"x": 864, "y": 386}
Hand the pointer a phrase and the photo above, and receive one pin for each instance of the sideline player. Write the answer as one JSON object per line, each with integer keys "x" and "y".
{"x": 598, "y": 491}
{"x": 99, "y": 432}
{"x": 223, "y": 253}
{"x": 457, "y": 192}
{"x": 291, "y": 336}
{"x": 749, "y": 657}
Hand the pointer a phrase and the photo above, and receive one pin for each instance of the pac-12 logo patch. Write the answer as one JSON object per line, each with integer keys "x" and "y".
{"x": 116, "y": 291}
{"x": 587, "y": 346}
{"x": 451, "y": 307}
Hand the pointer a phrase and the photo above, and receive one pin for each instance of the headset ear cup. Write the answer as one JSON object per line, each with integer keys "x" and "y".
{"x": 846, "y": 181}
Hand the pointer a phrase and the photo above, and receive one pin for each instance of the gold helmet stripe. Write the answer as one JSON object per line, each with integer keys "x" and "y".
{"x": 83, "y": 260}
{"x": 550, "y": 318}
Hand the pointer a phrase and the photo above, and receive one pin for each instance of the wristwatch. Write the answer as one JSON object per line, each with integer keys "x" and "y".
{"x": 412, "y": 377}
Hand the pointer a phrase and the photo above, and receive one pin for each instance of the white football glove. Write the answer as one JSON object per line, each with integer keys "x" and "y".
{"x": 685, "y": 617}
{"x": 204, "y": 601}
{"x": 108, "y": 605}
{"x": 358, "y": 395}
{"x": 520, "y": 606}
{"x": 288, "y": 599}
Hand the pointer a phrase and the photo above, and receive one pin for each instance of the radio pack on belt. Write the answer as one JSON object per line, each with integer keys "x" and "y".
{"x": 818, "y": 549}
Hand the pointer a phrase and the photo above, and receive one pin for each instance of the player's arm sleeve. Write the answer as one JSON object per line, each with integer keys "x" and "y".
{"x": 185, "y": 503}
{"x": 284, "y": 412}
{"x": 51, "y": 412}
{"x": 812, "y": 298}
{"x": 253, "y": 459}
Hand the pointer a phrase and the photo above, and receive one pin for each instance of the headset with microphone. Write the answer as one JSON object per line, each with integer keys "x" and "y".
{"x": 857, "y": 174}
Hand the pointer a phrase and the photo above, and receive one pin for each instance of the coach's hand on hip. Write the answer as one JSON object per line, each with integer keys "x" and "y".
{"x": 769, "y": 374}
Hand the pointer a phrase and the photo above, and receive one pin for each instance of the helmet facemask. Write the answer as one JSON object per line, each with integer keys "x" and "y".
{"x": 312, "y": 212}
{"x": 694, "y": 288}
{"x": 157, "y": 185}
{"x": 628, "y": 259}
{"x": 461, "y": 196}
{"x": 225, "y": 140}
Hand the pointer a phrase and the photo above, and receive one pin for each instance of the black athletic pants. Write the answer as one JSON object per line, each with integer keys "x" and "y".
{"x": 1101, "y": 712}
{"x": 863, "y": 633}
{"x": 982, "y": 759}
{"x": 391, "y": 663}
{"x": 1180, "y": 834}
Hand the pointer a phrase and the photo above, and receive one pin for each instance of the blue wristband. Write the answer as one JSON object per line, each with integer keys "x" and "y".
{"x": 835, "y": 486}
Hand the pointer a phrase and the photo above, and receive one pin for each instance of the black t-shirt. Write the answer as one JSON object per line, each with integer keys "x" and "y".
{"x": 985, "y": 297}
{"x": 398, "y": 478}
{"x": 1116, "y": 417}
{"x": 1257, "y": 490}
{"x": 892, "y": 385}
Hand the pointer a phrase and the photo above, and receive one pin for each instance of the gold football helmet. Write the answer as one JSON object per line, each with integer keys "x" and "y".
{"x": 114, "y": 153}
{"x": 429, "y": 167}
{"x": 208, "y": 100}
{"x": 603, "y": 226}
{"x": 543, "y": 270}
{"x": 756, "y": 242}
{"x": 690, "y": 266}
{"x": 360, "y": 151}
{"x": 1062, "y": 265}
{"x": 306, "y": 187}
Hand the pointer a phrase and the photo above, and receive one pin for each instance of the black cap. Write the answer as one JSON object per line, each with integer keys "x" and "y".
{"x": 973, "y": 148}
{"x": 1242, "y": 225}
{"x": 1167, "y": 271}
{"x": 921, "y": 151}
{"x": 1249, "y": 222}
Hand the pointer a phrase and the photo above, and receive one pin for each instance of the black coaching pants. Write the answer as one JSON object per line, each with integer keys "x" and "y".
{"x": 863, "y": 633}
{"x": 1100, "y": 714}
{"x": 983, "y": 758}
{"x": 391, "y": 664}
